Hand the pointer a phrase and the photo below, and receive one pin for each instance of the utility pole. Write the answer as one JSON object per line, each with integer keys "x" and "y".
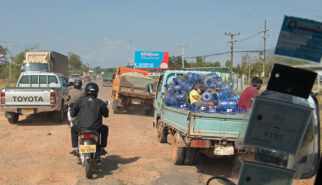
{"x": 182, "y": 54}
{"x": 264, "y": 51}
{"x": 232, "y": 53}
{"x": 9, "y": 51}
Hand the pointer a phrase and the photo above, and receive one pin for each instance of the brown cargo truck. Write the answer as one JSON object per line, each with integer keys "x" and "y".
{"x": 133, "y": 88}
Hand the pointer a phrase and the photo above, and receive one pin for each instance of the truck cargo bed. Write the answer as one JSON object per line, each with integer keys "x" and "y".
{"x": 204, "y": 125}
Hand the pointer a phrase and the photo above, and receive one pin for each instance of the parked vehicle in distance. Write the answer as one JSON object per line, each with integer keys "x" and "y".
{"x": 93, "y": 78}
{"x": 35, "y": 92}
{"x": 133, "y": 87}
{"x": 45, "y": 61}
{"x": 87, "y": 79}
{"x": 74, "y": 77}
{"x": 108, "y": 78}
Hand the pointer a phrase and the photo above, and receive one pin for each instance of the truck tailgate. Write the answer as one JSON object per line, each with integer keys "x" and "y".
{"x": 205, "y": 125}
{"x": 217, "y": 125}
{"x": 27, "y": 96}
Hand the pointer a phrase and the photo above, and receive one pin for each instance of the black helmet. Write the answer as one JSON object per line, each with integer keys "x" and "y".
{"x": 91, "y": 89}
{"x": 78, "y": 84}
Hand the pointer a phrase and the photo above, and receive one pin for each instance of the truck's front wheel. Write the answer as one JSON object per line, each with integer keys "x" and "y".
{"x": 178, "y": 153}
{"x": 14, "y": 119}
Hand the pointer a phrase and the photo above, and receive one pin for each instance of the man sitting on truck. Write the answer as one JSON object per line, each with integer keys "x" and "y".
{"x": 247, "y": 98}
{"x": 195, "y": 96}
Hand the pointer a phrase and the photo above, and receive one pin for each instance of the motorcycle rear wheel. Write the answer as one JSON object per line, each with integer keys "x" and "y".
{"x": 88, "y": 168}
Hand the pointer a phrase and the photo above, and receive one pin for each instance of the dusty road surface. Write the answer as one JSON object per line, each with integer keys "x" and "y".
{"x": 36, "y": 151}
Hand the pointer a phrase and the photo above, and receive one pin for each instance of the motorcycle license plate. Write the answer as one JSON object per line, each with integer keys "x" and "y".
{"x": 27, "y": 111}
{"x": 87, "y": 148}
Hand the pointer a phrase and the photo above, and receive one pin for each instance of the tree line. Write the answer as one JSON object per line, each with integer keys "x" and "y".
{"x": 249, "y": 66}
{"x": 76, "y": 65}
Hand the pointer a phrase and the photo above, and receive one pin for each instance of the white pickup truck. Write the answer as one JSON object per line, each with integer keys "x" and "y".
{"x": 36, "y": 92}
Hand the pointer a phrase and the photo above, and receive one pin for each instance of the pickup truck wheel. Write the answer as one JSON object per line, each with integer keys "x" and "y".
{"x": 59, "y": 116}
{"x": 14, "y": 119}
{"x": 178, "y": 153}
{"x": 162, "y": 132}
{"x": 190, "y": 156}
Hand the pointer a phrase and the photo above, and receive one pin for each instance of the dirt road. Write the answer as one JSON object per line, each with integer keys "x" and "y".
{"x": 36, "y": 151}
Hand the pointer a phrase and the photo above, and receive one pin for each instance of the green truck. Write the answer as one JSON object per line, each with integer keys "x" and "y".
{"x": 108, "y": 78}
{"x": 191, "y": 132}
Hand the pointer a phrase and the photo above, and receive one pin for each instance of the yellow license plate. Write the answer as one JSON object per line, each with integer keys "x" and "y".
{"x": 87, "y": 148}
{"x": 27, "y": 111}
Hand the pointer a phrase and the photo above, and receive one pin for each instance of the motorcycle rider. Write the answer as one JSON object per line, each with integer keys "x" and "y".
{"x": 89, "y": 111}
{"x": 76, "y": 92}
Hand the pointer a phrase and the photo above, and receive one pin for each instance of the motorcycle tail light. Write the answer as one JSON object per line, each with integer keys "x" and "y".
{"x": 86, "y": 136}
{"x": 52, "y": 98}
{"x": 3, "y": 97}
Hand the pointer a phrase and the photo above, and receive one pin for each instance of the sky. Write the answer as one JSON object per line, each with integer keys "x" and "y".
{"x": 106, "y": 33}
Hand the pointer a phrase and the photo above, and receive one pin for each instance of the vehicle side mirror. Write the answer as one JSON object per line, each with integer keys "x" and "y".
{"x": 150, "y": 88}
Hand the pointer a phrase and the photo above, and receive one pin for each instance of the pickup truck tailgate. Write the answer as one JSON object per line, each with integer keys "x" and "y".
{"x": 29, "y": 97}
{"x": 217, "y": 125}
{"x": 205, "y": 125}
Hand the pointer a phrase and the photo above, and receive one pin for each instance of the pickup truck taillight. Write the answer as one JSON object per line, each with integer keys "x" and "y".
{"x": 3, "y": 97}
{"x": 52, "y": 98}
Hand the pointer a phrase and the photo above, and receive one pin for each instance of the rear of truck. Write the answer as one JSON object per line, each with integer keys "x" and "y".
{"x": 133, "y": 88}
{"x": 213, "y": 134}
{"x": 108, "y": 79}
{"x": 45, "y": 61}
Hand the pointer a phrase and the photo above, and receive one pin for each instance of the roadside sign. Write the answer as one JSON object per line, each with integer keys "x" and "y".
{"x": 3, "y": 60}
{"x": 151, "y": 60}
{"x": 300, "y": 38}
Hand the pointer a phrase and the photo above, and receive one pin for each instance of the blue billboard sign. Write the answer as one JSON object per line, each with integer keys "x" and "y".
{"x": 3, "y": 60}
{"x": 300, "y": 38}
{"x": 151, "y": 60}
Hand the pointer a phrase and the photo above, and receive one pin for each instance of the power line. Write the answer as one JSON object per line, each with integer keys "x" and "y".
{"x": 226, "y": 52}
{"x": 249, "y": 37}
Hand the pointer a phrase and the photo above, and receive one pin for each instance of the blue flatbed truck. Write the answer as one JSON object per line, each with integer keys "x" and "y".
{"x": 189, "y": 132}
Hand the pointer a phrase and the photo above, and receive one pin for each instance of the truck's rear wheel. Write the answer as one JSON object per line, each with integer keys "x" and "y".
{"x": 14, "y": 119}
{"x": 162, "y": 132}
{"x": 60, "y": 115}
{"x": 116, "y": 109}
{"x": 190, "y": 155}
{"x": 178, "y": 153}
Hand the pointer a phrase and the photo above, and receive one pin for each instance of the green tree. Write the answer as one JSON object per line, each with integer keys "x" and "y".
{"x": 228, "y": 63}
{"x": 75, "y": 64}
{"x": 98, "y": 69}
{"x": 3, "y": 50}
{"x": 199, "y": 60}
{"x": 217, "y": 64}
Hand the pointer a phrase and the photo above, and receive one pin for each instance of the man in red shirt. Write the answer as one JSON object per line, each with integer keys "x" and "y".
{"x": 246, "y": 99}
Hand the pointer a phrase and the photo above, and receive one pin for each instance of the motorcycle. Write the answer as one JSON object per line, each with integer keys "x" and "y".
{"x": 88, "y": 151}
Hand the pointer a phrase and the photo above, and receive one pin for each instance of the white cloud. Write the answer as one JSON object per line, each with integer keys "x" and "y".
{"x": 108, "y": 53}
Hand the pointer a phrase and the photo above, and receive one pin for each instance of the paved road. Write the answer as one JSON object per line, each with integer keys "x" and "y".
{"x": 36, "y": 151}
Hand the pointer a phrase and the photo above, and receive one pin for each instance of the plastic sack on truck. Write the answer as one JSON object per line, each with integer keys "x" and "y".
{"x": 177, "y": 93}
